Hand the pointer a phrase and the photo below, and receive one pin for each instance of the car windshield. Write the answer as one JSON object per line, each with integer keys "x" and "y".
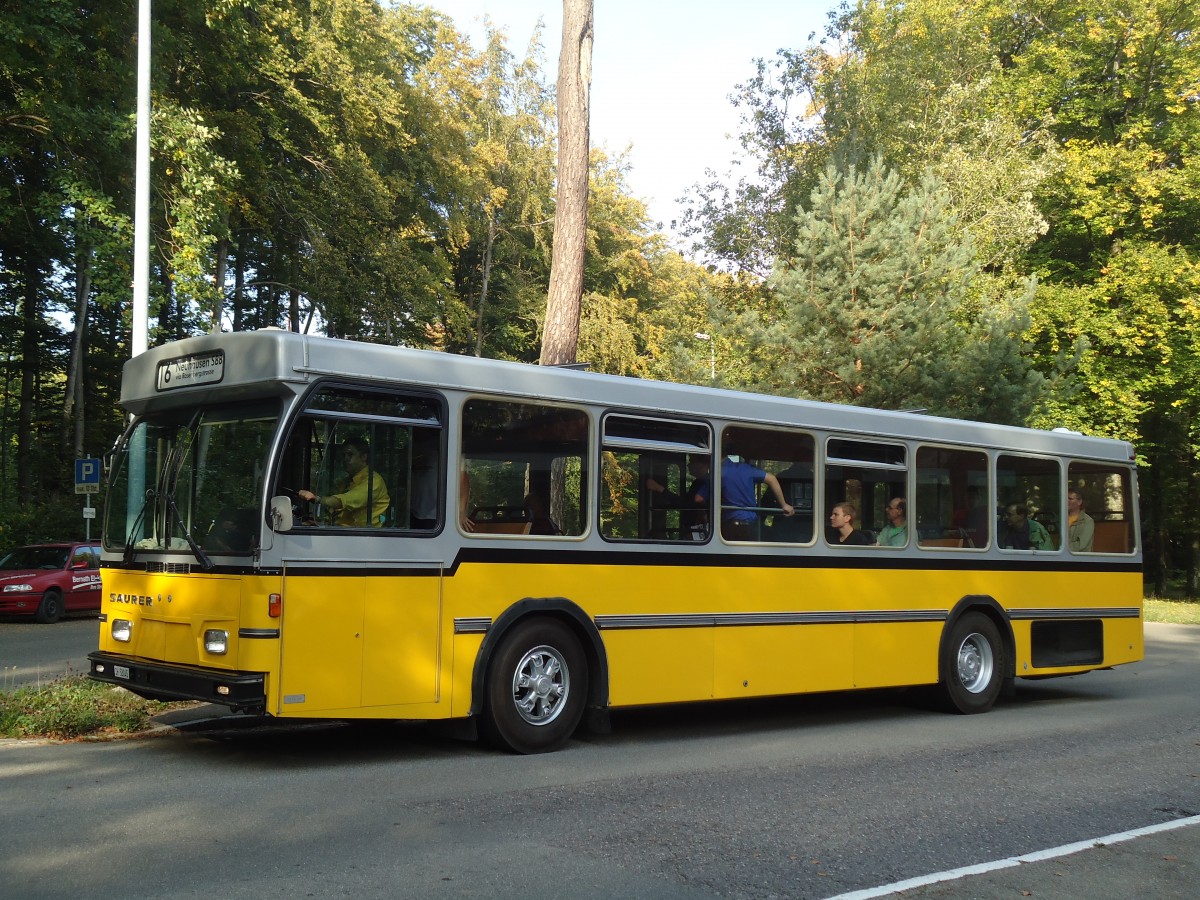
{"x": 191, "y": 480}
{"x": 35, "y": 558}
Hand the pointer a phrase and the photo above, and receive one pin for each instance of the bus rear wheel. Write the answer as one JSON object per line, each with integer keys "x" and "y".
{"x": 536, "y": 689}
{"x": 972, "y": 665}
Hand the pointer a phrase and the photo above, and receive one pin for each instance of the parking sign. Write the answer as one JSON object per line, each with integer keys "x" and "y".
{"x": 87, "y": 476}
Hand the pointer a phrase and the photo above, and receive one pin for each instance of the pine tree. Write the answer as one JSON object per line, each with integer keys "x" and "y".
{"x": 883, "y": 306}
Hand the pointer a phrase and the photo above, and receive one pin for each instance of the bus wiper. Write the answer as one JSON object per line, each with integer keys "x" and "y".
{"x": 197, "y": 551}
{"x": 127, "y": 556}
{"x": 170, "y": 475}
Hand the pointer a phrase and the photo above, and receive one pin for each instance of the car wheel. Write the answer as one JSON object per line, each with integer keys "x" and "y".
{"x": 51, "y": 608}
{"x": 536, "y": 688}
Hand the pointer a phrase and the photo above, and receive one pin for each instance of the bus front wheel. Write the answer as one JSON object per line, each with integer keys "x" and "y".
{"x": 536, "y": 688}
{"x": 972, "y": 665}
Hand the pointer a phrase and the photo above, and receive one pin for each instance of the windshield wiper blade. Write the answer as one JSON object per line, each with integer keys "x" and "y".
{"x": 127, "y": 556}
{"x": 197, "y": 551}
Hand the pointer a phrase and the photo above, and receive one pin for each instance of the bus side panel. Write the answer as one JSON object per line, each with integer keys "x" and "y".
{"x": 892, "y": 654}
{"x": 1123, "y": 641}
{"x": 659, "y": 665}
{"x": 383, "y": 631}
{"x": 400, "y": 656}
{"x": 323, "y": 623}
{"x": 783, "y": 659}
{"x": 1052, "y": 591}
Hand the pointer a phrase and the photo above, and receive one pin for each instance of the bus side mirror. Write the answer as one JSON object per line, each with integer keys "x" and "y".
{"x": 281, "y": 514}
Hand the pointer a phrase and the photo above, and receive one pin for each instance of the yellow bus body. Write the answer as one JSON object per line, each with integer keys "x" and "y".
{"x": 381, "y": 646}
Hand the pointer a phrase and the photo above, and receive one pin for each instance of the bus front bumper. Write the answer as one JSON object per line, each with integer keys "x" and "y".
{"x": 160, "y": 681}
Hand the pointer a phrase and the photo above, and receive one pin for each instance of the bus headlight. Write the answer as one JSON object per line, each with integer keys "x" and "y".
{"x": 216, "y": 641}
{"x": 122, "y": 630}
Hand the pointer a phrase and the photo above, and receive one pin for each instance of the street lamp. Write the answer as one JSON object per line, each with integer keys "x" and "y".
{"x": 712, "y": 355}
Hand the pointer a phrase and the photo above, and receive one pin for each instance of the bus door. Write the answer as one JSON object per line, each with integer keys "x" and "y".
{"x": 365, "y": 468}
{"x": 367, "y": 636}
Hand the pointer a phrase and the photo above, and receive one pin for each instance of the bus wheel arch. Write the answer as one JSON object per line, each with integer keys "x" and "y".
{"x": 975, "y": 656}
{"x": 536, "y": 652}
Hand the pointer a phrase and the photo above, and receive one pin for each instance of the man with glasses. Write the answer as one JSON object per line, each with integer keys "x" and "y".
{"x": 895, "y": 532}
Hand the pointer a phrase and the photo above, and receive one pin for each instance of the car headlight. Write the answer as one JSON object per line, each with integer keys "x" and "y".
{"x": 122, "y": 630}
{"x": 216, "y": 641}
{"x": 17, "y": 588}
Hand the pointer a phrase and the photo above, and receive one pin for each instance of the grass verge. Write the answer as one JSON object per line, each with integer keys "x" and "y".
{"x": 1177, "y": 612}
{"x": 75, "y": 706}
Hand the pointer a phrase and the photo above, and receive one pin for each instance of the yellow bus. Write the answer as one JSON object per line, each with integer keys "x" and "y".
{"x": 306, "y": 527}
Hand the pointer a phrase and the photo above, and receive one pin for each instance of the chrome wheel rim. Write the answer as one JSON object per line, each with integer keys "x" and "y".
{"x": 975, "y": 662}
{"x": 541, "y": 683}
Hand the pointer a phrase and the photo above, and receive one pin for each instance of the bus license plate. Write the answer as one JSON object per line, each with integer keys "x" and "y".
{"x": 121, "y": 672}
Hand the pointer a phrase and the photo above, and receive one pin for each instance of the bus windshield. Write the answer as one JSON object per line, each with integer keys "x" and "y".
{"x": 191, "y": 480}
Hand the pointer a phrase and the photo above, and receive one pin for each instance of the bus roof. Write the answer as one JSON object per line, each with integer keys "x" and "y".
{"x": 226, "y": 366}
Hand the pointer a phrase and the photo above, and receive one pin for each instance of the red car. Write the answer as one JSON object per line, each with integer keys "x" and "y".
{"x": 47, "y": 580}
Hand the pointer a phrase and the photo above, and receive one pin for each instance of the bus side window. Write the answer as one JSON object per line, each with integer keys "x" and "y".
{"x": 1099, "y": 509}
{"x": 951, "y": 502}
{"x": 372, "y": 457}
{"x": 655, "y": 479}
{"x": 788, "y": 457}
{"x": 1030, "y": 502}
{"x": 522, "y": 469}
{"x": 867, "y": 476}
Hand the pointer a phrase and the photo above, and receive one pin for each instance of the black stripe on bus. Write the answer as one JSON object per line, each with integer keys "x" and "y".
{"x": 799, "y": 559}
{"x": 786, "y": 560}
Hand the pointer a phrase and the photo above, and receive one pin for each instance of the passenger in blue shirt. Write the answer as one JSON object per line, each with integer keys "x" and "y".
{"x": 739, "y": 497}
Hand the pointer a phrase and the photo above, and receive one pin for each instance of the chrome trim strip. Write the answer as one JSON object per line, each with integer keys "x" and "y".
{"x": 724, "y": 620}
{"x": 1092, "y": 612}
{"x": 258, "y": 632}
{"x": 478, "y": 625}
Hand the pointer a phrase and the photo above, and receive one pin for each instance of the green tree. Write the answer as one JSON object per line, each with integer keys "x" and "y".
{"x": 879, "y": 299}
{"x": 502, "y": 269}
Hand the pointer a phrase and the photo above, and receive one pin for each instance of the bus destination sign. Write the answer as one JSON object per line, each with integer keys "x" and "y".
{"x": 190, "y": 371}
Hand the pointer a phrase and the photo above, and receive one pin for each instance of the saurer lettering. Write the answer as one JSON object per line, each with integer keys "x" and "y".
{"x": 137, "y": 599}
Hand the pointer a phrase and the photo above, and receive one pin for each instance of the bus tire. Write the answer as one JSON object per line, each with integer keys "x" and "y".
{"x": 50, "y": 610}
{"x": 536, "y": 688}
{"x": 972, "y": 665}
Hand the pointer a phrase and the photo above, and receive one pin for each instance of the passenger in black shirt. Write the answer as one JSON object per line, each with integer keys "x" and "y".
{"x": 841, "y": 527}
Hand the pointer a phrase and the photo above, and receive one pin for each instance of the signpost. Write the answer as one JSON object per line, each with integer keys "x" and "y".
{"x": 87, "y": 482}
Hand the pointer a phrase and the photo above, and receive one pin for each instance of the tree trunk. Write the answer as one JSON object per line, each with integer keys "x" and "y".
{"x": 31, "y": 334}
{"x": 560, "y": 335}
{"x": 239, "y": 281}
{"x": 221, "y": 257}
{"x": 488, "y": 248}
{"x": 73, "y": 399}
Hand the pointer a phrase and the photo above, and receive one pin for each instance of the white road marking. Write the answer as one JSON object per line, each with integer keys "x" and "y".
{"x": 1038, "y": 856}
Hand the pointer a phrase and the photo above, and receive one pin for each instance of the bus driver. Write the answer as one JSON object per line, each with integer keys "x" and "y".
{"x": 362, "y": 486}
